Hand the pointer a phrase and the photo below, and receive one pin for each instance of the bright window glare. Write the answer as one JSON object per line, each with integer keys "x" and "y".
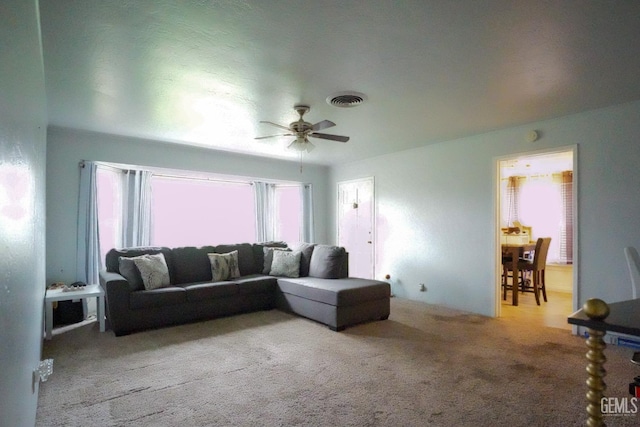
{"x": 189, "y": 212}
{"x": 288, "y": 213}
{"x": 109, "y": 208}
{"x": 541, "y": 208}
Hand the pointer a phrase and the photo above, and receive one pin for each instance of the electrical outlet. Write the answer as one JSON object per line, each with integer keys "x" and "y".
{"x": 423, "y": 288}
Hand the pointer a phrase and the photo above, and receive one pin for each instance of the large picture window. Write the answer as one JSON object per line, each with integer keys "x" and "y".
{"x": 288, "y": 213}
{"x": 109, "y": 187}
{"x": 197, "y": 212}
{"x": 140, "y": 207}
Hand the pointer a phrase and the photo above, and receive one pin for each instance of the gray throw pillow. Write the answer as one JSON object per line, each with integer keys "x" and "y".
{"x": 129, "y": 271}
{"x": 326, "y": 262}
{"x": 286, "y": 264}
{"x": 305, "y": 259}
{"x": 268, "y": 257}
{"x": 224, "y": 266}
{"x": 153, "y": 270}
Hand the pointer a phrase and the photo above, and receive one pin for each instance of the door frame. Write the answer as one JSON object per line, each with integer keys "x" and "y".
{"x": 374, "y": 209}
{"x": 497, "y": 295}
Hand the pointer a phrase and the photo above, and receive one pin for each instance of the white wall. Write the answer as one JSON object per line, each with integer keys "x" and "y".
{"x": 22, "y": 209}
{"x": 435, "y": 208}
{"x": 67, "y": 147}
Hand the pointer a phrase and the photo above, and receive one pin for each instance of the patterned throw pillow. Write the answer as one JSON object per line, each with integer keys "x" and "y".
{"x": 268, "y": 257}
{"x": 153, "y": 270}
{"x": 224, "y": 266}
{"x": 286, "y": 264}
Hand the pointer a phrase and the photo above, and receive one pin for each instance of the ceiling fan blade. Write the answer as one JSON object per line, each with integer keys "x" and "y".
{"x": 275, "y": 124}
{"x": 323, "y": 125}
{"x": 273, "y": 136}
{"x": 331, "y": 137}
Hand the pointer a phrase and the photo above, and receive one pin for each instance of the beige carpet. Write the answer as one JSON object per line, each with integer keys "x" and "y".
{"x": 424, "y": 366}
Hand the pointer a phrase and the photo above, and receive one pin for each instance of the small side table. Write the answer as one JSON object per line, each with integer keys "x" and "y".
{"x": 90, "y": 291}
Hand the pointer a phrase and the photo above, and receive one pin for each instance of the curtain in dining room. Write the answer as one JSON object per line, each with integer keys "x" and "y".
{"x": 511, "y": 201}
{"x": 566, "y": 234}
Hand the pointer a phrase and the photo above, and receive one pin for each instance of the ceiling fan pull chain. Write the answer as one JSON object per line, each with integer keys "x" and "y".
{"x": 300, "y": 161}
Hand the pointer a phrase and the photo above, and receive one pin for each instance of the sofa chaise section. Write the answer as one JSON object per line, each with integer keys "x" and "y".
{"x": 337, "y": 303}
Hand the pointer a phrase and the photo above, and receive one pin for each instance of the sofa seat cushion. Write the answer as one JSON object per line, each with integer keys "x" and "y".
{"x": 210, "y": 290}
{"x": 256, "y": 283}
{"x": 337, "y": 292}
{"x": 157, "y": 298}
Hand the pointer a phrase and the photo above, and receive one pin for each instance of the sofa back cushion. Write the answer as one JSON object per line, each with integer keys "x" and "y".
{"x": 327, "y": 262}
{"x": 191, "y": 264}
{"x": 112, "y": 259}
{"x": 129, "y": 271}
{"x": 246, "y": 258}
{"x": 268, "y": 257}
{"x": 306, "y": 250}
{"x": 258, "y": 253}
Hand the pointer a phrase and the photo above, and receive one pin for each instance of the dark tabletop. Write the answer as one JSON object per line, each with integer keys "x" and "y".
{"x": 624, "y": 317}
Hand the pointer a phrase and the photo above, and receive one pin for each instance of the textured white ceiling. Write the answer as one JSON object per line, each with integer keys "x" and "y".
{"x": 206, "y": 72}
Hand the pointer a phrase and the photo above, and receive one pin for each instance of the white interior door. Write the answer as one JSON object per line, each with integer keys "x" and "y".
{"x": 356, "y": 221}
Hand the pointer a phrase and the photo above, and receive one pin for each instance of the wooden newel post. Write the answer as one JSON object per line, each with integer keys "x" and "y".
{"x": 595, "y": 309}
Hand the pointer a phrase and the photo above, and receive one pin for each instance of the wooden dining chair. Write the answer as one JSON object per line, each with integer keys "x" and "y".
{"x": 532, "y": 272}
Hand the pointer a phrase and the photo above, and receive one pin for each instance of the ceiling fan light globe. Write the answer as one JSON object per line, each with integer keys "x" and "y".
{"x": 296, "y": 145}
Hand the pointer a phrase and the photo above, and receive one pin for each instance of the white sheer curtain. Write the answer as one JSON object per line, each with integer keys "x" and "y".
{"x": 307, "y": 213}
{"x": 88, "y": 247}
{"x": 265, "y": 222}
{"x": 136, "y": 208}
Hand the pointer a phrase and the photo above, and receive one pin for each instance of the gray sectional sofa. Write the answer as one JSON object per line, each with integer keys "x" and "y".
{"x": 323, "y": 291}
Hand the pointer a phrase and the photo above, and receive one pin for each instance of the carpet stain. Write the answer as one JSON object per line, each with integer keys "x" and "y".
{"x": 484, "y": 375}
{"x": 523, "y": 368}
{"x": 466, "y": 319}
{"x": 553, "y": 347}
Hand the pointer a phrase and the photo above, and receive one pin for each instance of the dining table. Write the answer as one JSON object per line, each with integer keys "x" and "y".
{"x": 516, "y": 251}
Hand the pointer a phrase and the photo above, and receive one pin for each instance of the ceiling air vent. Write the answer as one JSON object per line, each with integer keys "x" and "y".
{"x": 346, "y": 99}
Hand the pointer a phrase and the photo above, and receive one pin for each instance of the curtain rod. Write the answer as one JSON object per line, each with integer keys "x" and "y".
{"x": 538, "y": 175}
{"x": 200, "y": 178}
{"x": 126, "y": 168}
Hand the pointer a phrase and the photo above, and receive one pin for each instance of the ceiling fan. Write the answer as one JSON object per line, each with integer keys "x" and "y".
{"x": 302, "y": 130}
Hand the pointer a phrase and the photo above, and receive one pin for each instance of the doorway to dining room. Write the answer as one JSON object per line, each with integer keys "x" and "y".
{"x": 537, "y": 198}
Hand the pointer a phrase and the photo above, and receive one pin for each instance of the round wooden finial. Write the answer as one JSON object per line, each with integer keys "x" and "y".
{"x": 596, "y": 309}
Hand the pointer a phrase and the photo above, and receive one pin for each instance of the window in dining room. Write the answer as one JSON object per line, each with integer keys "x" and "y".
{"x": 538, "y": 192}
